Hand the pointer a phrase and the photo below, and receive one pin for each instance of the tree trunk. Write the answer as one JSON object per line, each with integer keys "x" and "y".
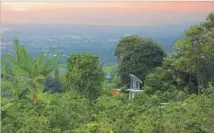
{"x": 35, "y": 95}
{"x": 198, "y": 75}
{"x": 190, "y": 80}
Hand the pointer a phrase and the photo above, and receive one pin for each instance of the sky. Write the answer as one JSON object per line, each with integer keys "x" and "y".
{"x": 105, "y": 13}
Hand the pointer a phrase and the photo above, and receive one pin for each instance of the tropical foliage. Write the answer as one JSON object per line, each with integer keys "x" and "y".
{"x": 25, "y": 74}
{"x": 177, "y": 96}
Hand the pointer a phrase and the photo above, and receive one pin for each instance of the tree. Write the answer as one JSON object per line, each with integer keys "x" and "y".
{"x": 195, "y": 53}
{"x": 138, "y": 56}
{"x": 166, "y": 78}
{"x": 209, "y": 23}
{"x": 85, "y": 74}
{"x": 53, "y": 85}
{"x": 28, "y": 71}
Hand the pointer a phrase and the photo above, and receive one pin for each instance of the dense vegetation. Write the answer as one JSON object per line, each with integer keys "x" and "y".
{"x": 177, "y": 96}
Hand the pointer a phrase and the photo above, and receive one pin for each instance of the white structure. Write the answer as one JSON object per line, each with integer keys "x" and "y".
{"x": 134, "y": 86}
{"x": 108, "y": 76}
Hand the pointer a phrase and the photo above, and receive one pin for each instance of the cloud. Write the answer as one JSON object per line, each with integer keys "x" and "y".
{"x": 18, "y": 9}
{"x": 104, "y": 13}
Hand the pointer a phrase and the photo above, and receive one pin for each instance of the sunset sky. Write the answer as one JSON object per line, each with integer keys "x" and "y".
{"x": 105, "y": 13}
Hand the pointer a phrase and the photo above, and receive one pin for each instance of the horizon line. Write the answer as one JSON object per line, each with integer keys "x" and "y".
{"x": 195, "y": 22}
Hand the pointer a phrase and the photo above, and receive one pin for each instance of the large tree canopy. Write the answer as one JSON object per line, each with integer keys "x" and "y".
{"x": 195, "y": 53}
{"x": 85, "y": 74}
{"x": 138, "y": 56}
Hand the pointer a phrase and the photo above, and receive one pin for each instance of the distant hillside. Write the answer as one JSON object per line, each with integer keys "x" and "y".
{"x": 99, "y": 40}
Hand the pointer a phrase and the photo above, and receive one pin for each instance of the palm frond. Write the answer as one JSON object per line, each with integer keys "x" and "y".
{"x": 6, "y": 104}
{"x": 41, "y": 60}
{"x": 39, "y": 77}
{"x": 26, "y": 58}
{"x": 21, "y": 72}
{"x": 11, "y": 61}
{"x": 51, "y": 61}
{"x": 7, "y": 84}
